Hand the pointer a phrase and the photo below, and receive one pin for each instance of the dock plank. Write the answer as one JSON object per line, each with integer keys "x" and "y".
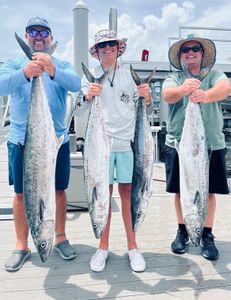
{"x": 167, "y": 276}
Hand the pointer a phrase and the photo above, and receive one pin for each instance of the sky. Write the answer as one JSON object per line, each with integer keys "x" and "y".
{"x": 147, "y": 24}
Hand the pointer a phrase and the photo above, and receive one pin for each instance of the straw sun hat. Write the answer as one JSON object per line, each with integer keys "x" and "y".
{"x": 106, "y": 35}
{"x": 209, "y": 51}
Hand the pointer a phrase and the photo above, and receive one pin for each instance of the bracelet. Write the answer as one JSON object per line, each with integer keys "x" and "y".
{"x": 150, "y": 102}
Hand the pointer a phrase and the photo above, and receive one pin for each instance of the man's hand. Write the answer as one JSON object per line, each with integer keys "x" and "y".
{"x": 94, "y": 89}
{"x": 198, "y": 96}
{"x": 144, "y": 91}
{"x": 45, "y": 60}
{"x": 33, "y": 69}
{"x": 190, "y": 85}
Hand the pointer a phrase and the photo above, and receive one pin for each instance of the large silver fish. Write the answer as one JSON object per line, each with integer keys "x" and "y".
{"x": 96, "y": 161}
{"x": 39, "y": 162}
{"x": 194, "y": 167}
{"x": 143, "y": 150}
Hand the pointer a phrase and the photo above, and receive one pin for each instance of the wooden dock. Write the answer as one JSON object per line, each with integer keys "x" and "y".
{"x": 167, "y": 276}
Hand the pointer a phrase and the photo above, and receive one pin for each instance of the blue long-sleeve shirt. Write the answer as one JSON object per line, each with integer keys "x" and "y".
{"x": 13, "y": 82}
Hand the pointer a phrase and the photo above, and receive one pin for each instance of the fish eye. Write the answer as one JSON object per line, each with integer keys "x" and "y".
{"x": 43, "y": 244}
{"x": 95, "y": 225}
{"x": 198, "y": 231}
{"x": 138, "y": 215}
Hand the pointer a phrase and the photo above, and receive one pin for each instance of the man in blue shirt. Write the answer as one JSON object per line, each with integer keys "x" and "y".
{"x": 15, "y": 79}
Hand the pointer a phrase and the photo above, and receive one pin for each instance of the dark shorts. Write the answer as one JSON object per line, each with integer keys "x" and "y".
{"x": 217, "y": 172}
{"x": 15, "y": 166}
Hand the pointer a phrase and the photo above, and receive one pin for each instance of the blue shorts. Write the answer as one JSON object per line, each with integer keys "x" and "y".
{"x": 121, "y": 167}
{"x": 15, "y": 166}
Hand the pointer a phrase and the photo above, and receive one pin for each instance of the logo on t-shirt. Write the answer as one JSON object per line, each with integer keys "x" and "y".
{"x": 124, "y": 98}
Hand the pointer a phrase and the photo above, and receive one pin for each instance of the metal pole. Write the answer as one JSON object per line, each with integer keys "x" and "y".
{"x": 80, "y": 18}
{"x": 113, "y": 19}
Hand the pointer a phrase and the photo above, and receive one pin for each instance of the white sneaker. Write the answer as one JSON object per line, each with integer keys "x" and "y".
{"x": 98, "y": 260}
{"x": 137, "y": 262}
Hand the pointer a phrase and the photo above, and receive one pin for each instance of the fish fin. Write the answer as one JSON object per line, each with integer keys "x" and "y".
{"x": 26, "y": 49}
{"x": 94, "y": 195}
{"x": 176, "y": 143}
{"x": 137, "y": 79}
{"x": 144, "y": 187}
{"x": 29, "y": 52}
{"x": 104, "y": 77}
{"x": 21, "y": 147}
{"x": 51, "y": 49}
{"x": 197, "y": 198}
{"x": 204, "y": 71}
{"x": 92, "y": 79}
{"x": 148, "y": 79}
{"x": 135, "y": 76}
{"x": 59, "y": 141}
{"x": 41, "y": 210}
{"x": 88, "y": 74}
{"x": 132, "y": 146}
{"x": 210, "y": 153}
{"x": 185, "y": 69}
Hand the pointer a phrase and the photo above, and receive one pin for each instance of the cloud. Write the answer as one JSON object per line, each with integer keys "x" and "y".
{"x": 153, "y": 32}
{"x": 222, "y": 36}
{"x": 67, "y": 54}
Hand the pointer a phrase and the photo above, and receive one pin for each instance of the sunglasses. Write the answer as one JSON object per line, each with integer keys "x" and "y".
{"x": 193, "y": 48}
{"x": 109, "y": 43}
{"x": 43, "y": 33}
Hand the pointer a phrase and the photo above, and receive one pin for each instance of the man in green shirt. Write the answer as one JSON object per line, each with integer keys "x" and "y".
{"x": 196, "y": 53}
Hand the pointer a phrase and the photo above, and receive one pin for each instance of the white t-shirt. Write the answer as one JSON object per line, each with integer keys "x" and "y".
{"x": 118, "y": 105}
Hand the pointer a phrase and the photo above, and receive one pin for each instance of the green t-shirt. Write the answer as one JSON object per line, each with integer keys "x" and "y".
{"x": 211, "y": 112}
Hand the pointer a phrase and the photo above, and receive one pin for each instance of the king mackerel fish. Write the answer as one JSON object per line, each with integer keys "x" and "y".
{"x": 143, "y": 150}
{"x": 96, "y": 161}
{"x": 194, "y": 166}
{"x": 39, "y": 162}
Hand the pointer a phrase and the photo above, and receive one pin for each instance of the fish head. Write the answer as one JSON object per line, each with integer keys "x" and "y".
{"x": 97, "y": 228}
{"x": 98, "y": 210}
{"x": 98, "y": 219}
{"x": 138, "y": 219}
{"x": 194, "y": 225}
{"x": 43, "y": 239}
{"x": 140, "y": 196}
{"x": 139, "y": 208}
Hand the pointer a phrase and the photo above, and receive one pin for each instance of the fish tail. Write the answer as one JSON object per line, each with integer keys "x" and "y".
{"x": 137, "y": 79}
{"x": 59, "y": 141}
{"x": 26, "y": 49}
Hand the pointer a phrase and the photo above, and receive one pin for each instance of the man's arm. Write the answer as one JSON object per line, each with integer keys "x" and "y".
{"x": 67, "y": 79}
{"x": 12, "y": 77}
{"x": 60, "y": 71}
{"x": 173, "y": 94}
{"x": 218, "y": 92}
